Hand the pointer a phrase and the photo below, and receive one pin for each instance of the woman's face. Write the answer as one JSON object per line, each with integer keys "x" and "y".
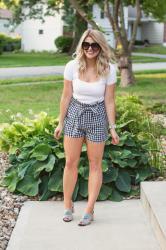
{"x": 90, "y": 51}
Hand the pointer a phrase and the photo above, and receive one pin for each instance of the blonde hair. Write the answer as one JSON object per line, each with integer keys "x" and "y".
{"x": 103, "y": 58}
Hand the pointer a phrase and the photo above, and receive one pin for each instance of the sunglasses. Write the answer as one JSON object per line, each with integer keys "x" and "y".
{"x": 94, "y": 46}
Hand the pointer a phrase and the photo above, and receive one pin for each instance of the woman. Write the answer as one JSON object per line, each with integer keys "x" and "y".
{"x": 87, "y": 113}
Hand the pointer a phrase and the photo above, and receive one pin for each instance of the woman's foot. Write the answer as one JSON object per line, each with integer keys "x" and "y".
{"x": 68, "y": 216}
{"x": 86, "y": 219}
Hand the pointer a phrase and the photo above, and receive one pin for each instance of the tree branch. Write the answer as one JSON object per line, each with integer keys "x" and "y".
{"x": 122, "y": 22}
{"x": 136, "y": 22}
{"x": 84, "y": 15}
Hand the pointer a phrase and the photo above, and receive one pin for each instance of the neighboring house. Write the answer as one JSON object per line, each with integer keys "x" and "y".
{"x": 148, "y": 29}
{"x": 5, "y": 24}
{"x": 40, "y": 36}
{"x": 5, "y": 16}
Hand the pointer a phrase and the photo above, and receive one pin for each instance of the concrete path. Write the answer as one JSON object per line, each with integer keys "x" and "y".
{"x": 6, "y": 73}
{"x": 116, "y": 226}
{"x": 154, "y": 202}
{"x": 149, "y": 55}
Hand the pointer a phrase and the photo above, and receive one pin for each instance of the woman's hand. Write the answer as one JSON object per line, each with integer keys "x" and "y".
{"x": 58, "y": 131}
{"x": 115, "y": 137}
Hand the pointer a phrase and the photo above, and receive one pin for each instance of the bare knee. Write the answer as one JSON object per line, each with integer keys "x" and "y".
{"x": 71, "y": 163}
{"x": 94, "y": 165}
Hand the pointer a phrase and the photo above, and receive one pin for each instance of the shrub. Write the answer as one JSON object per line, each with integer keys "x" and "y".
{"x": 37, "y": 160}
{"x": 158, "y": 108}
{"x": 9, "y": 43}
{"x": 37, "y": 163}
{"x": 2, "y": 42}
{"x": 63, "y": 43}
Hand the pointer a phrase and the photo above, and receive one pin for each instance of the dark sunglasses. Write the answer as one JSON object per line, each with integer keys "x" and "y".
{"x": 94, "y": 46}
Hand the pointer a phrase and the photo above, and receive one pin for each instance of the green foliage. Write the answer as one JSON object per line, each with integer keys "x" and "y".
{"x": 158, "y": 108}
{"x": 37, "y": 160}
{"x": 130, "y": 111}
{"x": 9, "y": 43}
{"x": 38, "y": 163}
{"x": 63, "y": 43}
{"x": 23, "y": 128}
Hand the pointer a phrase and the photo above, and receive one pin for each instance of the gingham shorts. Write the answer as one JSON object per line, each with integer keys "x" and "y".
{"x": 86, "y": 120}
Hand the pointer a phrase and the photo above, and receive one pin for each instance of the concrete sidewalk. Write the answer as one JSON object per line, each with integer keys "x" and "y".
{"x": 8, "y": 73}
{"x": 116, "y": 226}
{"x": 149, "y": 55}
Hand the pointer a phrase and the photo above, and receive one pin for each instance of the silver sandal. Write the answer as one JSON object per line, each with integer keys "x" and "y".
{"x": 86, "y": 219}
{"x": 68, "y": 214}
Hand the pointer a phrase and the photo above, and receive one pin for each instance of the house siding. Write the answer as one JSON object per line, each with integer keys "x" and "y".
{"x": 153, "y": 31}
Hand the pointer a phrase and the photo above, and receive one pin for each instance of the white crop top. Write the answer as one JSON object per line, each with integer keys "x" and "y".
{"x": 88, "y": 92}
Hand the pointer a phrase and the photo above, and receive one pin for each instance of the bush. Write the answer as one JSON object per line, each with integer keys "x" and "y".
{"x": 37, "y": 168}
{"x": 9, "y": 43}
{"x": 63, "y": 43}
{"x": 37, "y": 160}
{"x": 139, "y": 42}
{"x": 131, "y": 111}
{"x": 158, "y": 108}
{"x": 2, "y": 42}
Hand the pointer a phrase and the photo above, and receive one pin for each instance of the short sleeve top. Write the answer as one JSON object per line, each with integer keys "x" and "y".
{"x": 88, "y": 92}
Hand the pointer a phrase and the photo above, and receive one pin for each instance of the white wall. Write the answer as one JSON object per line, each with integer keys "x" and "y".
{"x": 4, "y": 26}
{"x": 8, "y": 29}
{"x": 153, "y": 31}
{"x": 32, "y": 40}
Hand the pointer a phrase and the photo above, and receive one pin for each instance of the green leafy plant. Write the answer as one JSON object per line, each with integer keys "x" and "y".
{"x": 37, "y": 160}
{"x": 63, "y": 43}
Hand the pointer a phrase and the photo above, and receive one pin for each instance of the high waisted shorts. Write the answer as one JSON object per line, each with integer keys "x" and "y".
{"x": 86, "y": 120}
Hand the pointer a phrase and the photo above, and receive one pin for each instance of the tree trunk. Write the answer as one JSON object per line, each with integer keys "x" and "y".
{"x": 80, "y": 27}
{"x": 125, "y": 68}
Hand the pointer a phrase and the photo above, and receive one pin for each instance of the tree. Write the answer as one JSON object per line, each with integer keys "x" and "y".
{"x": 115, "y": 15}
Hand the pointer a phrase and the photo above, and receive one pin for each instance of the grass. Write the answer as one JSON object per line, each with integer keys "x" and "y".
{"x": 46, "y": 95}
{"x": 156, "y": 49}
{"x": 25, "y": 80}
{"x": 50, "y": 59}
{"x": 32, "y": 59}
{"x": 146, "y": 59}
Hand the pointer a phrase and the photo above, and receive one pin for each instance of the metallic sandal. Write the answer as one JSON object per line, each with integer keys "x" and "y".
{"x": 86, "y": 219}
{"x": 68, "y": 214}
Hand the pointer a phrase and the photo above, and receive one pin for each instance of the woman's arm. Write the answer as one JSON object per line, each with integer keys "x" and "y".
{"x": 111, "y": 110}
{"x": 64, "y": 103}
{"x": 65, "y": 100}
{"x": 110, "y": 103}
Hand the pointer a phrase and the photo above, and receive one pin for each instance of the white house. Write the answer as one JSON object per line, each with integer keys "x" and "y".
{"x": 5, "y": 16}
{"x": 5, "y": 24}
{"x": 148, "y": 29}
{"x": 39, "y": 36}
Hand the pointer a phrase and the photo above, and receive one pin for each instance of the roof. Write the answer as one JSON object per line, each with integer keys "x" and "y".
{"x": 5, "y": 14}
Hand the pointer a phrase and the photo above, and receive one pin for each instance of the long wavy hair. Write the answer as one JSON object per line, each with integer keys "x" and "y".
{"x": 103, "y": 58}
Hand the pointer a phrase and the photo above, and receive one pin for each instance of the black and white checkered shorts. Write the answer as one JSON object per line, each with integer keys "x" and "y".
{"x": 86, "y": 120}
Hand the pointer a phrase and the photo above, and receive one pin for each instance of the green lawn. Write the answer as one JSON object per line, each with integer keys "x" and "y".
{"x": 46, "y": 95}
{"x": 32, "y": 59}
{"x": 156, "y": 49}
{"x": 51, "y": 59}
{"x": 146, "y": 59}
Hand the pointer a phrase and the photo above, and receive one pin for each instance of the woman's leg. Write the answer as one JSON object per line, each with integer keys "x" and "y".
{"x": 95, "y": 154}
{"x": 72, "y": 147}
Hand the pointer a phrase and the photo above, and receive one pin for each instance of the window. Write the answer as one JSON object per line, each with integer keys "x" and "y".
{"x": 6, "y": 25}
{"x": 41, "y": 32}
{"x": 102, "y": 14}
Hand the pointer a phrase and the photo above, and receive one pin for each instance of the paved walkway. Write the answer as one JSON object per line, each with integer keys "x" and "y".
{"x": 116, "y": 226}
{"x": 6, "y": 73}
{"x": 149, "y": 55}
